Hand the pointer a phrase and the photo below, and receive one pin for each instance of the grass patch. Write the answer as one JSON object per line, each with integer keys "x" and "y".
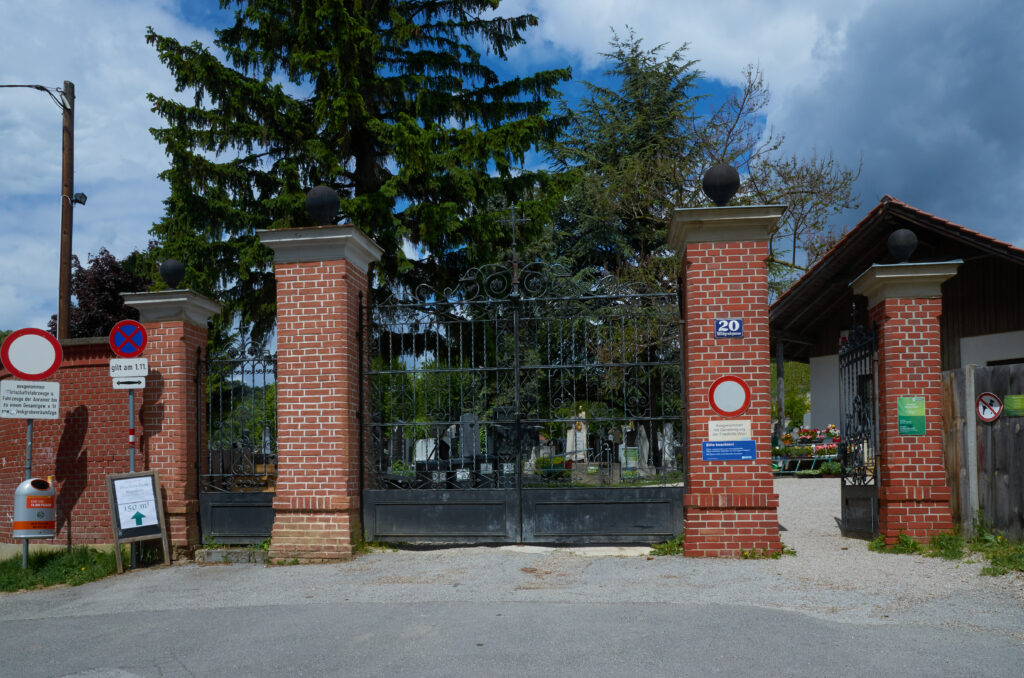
{"x": 1002, "y": 554}
{"x": 78, "y": 566}
{"x": 905, "y": 544}
{"x": 672, "y": 547}
{"x": 946, "y": 545}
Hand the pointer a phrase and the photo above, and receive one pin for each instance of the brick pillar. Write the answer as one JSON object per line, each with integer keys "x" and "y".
{"x": 730, "y": 505}
{"x": 175, "y": 323}
{"x": 321, "y": 272}
{"x": 905, "y": 302}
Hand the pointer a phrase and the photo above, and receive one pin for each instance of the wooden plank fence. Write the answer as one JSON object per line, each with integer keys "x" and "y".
{"x": 984, "y": 461}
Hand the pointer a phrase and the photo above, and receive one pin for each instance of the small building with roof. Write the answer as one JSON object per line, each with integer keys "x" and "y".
{"x": 982, "y": 320}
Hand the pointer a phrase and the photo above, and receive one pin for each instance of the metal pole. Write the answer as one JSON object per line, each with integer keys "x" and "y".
{"x": 67, "y": 195}
{"x": 780, "y": 373}
{"x": 971, "y": 450}
{"x": 28, "y": 475}
{"x": 131, "y": 455}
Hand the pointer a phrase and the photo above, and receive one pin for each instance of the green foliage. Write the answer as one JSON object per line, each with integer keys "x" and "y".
{"x": 97, "y": 303}
{"x": 831, "y": 468}
{"x": 637, "y": 150}
{"x": 798, "y": 386}
{"x": 766, "y": 554}
{"x": 672, "y": 547}
{"x": 905, "y": 544}
{"x": 78, "y": 566}
{"x": 1003, "y": 555}
{"x": 946, "y": 545}
{"x": 551, "y": 467}
{"x": 388, "y": 101}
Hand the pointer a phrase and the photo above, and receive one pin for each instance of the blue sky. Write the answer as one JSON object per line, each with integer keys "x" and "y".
{"x": 925, "y": 94}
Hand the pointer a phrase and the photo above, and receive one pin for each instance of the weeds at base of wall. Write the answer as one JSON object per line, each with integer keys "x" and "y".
{"x": 1004, "y": 556}
{"x": 672, "y": 547}
{"x": 766, "y": 554}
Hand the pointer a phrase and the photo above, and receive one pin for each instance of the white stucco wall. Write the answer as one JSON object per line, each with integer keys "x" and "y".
{"x": 985, "y": 347}
{"x": 824, "y": 391}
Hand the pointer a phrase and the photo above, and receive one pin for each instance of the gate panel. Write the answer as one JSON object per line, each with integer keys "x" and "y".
{"x": 519, "y": 381}
{"x": 858, "y": 447}
{"x": 238, "y": 463}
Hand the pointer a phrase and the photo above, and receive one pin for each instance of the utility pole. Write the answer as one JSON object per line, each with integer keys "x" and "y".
{"x": 67, "y": 193}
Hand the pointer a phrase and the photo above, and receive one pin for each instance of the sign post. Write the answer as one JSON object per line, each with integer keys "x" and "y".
{"x": 30, "y": 354}
{"x": 137, "y": 512}
{"x": 128, "y": 339}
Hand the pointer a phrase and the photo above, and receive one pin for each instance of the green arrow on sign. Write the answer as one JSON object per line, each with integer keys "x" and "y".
{"x": 138, "y": 518}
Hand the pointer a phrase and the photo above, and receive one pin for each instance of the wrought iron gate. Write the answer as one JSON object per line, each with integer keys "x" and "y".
{"x": 858, "y": 447}
{"x": 238, "y": 462}
{"x": 526, "y": 405}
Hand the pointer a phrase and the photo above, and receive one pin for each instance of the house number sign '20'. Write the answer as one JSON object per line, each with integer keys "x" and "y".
{"x": 728, "y": 328}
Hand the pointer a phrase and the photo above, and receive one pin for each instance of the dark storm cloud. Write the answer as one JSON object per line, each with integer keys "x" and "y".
{"x": 930, "y": 95}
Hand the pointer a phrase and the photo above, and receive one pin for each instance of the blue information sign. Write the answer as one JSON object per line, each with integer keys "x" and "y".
{"x": 728, "y": 328}
{"x": 728, "y": 450}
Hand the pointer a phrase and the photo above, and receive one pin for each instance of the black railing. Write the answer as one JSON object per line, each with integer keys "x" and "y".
{"x": 525, "y": 377}
{"x": 240, "y": 451}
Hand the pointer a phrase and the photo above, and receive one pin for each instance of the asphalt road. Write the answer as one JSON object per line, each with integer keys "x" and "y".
{"x": 834, "y": 609}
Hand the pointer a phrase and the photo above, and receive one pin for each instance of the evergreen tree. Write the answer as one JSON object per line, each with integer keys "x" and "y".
{"x": 639, "y": 150}
{"x": 387, "y": 101}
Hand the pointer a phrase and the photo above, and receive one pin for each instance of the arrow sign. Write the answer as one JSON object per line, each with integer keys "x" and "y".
{"x": 989, "y": 407}
{"x": 138, "y": 518}
{"x": 129, "y": 382}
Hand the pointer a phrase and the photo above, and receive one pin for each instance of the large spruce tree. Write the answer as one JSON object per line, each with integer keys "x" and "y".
{"x": 388, "y": 101}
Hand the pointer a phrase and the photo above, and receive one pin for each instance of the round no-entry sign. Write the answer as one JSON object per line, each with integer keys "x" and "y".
{"x": 989, "y": 407}
{"x": 729, "y": 396}
{"x": 128, "y": 338}
{"x": 31, "y": 354}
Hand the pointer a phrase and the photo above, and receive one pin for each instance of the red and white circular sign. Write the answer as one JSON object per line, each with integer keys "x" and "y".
{"x": 989, "y": 407}
{"x": 729, "y": 396}
{"x": 31, "y": 354}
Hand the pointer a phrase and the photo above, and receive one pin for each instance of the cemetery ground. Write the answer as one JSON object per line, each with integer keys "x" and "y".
{"x": 835, "y": 608}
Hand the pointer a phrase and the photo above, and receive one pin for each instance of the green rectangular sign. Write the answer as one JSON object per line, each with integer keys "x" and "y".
{"x": 910, "y": 413}
{"x": 1013, "y": 405}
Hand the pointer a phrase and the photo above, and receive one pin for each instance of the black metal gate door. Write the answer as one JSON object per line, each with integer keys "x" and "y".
{"x": 238, "y": 460}
{"x": 858, "y": 447}
{"x": 526, "y": 405}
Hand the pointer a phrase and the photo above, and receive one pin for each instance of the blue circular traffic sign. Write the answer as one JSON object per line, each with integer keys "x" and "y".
{"x": 128, "y": 338}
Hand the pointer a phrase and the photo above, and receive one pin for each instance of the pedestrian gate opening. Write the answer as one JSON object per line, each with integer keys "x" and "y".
{"x": 525, "y": 405}
{"x": 858, "y": 443}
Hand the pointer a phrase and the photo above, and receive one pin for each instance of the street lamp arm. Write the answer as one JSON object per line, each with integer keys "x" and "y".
{"x": 55, "y": 93}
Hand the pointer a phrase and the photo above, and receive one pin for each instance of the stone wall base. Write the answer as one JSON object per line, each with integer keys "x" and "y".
{"x": 313, "y": 536}
{"x": 722, "y": 526}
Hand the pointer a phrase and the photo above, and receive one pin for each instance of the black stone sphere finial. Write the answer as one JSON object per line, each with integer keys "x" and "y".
{"x": 902, "y": 244}
{"x": 721, "y": 183}
{"x": 173, "y": 272}
{"x": 322, "y": 203}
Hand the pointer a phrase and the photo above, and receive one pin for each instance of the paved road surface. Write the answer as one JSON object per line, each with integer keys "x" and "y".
{"x": 834, "y": 609}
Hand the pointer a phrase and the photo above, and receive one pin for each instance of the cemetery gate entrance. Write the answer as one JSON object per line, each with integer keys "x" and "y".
{"x": 526, "y": 405}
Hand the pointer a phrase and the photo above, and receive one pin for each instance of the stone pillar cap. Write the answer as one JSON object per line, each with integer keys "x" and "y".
{"x": 904, "y": 281}
{"x": 722, "y": 224}
{"x": 322, "y": 243}
{"x": 170, "y": 305}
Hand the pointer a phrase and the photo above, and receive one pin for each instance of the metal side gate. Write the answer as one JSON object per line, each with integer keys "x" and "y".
{"x": 238, "y": 460}
{"x": 526, "y": 405}
{"x": 858, "y": 447}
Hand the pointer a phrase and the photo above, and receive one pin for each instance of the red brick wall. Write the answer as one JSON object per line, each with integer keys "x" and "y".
{"x": 171, "y": 423}
{"x": 730, "y": 505}
{"x": 79, "y": 450}
{"x": 913, "y": 495}
{"x": 317, "y": 501}
{"x": 90, "y": 440}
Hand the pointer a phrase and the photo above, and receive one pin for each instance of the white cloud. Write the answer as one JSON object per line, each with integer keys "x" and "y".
{"x": 101, "y": 48}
